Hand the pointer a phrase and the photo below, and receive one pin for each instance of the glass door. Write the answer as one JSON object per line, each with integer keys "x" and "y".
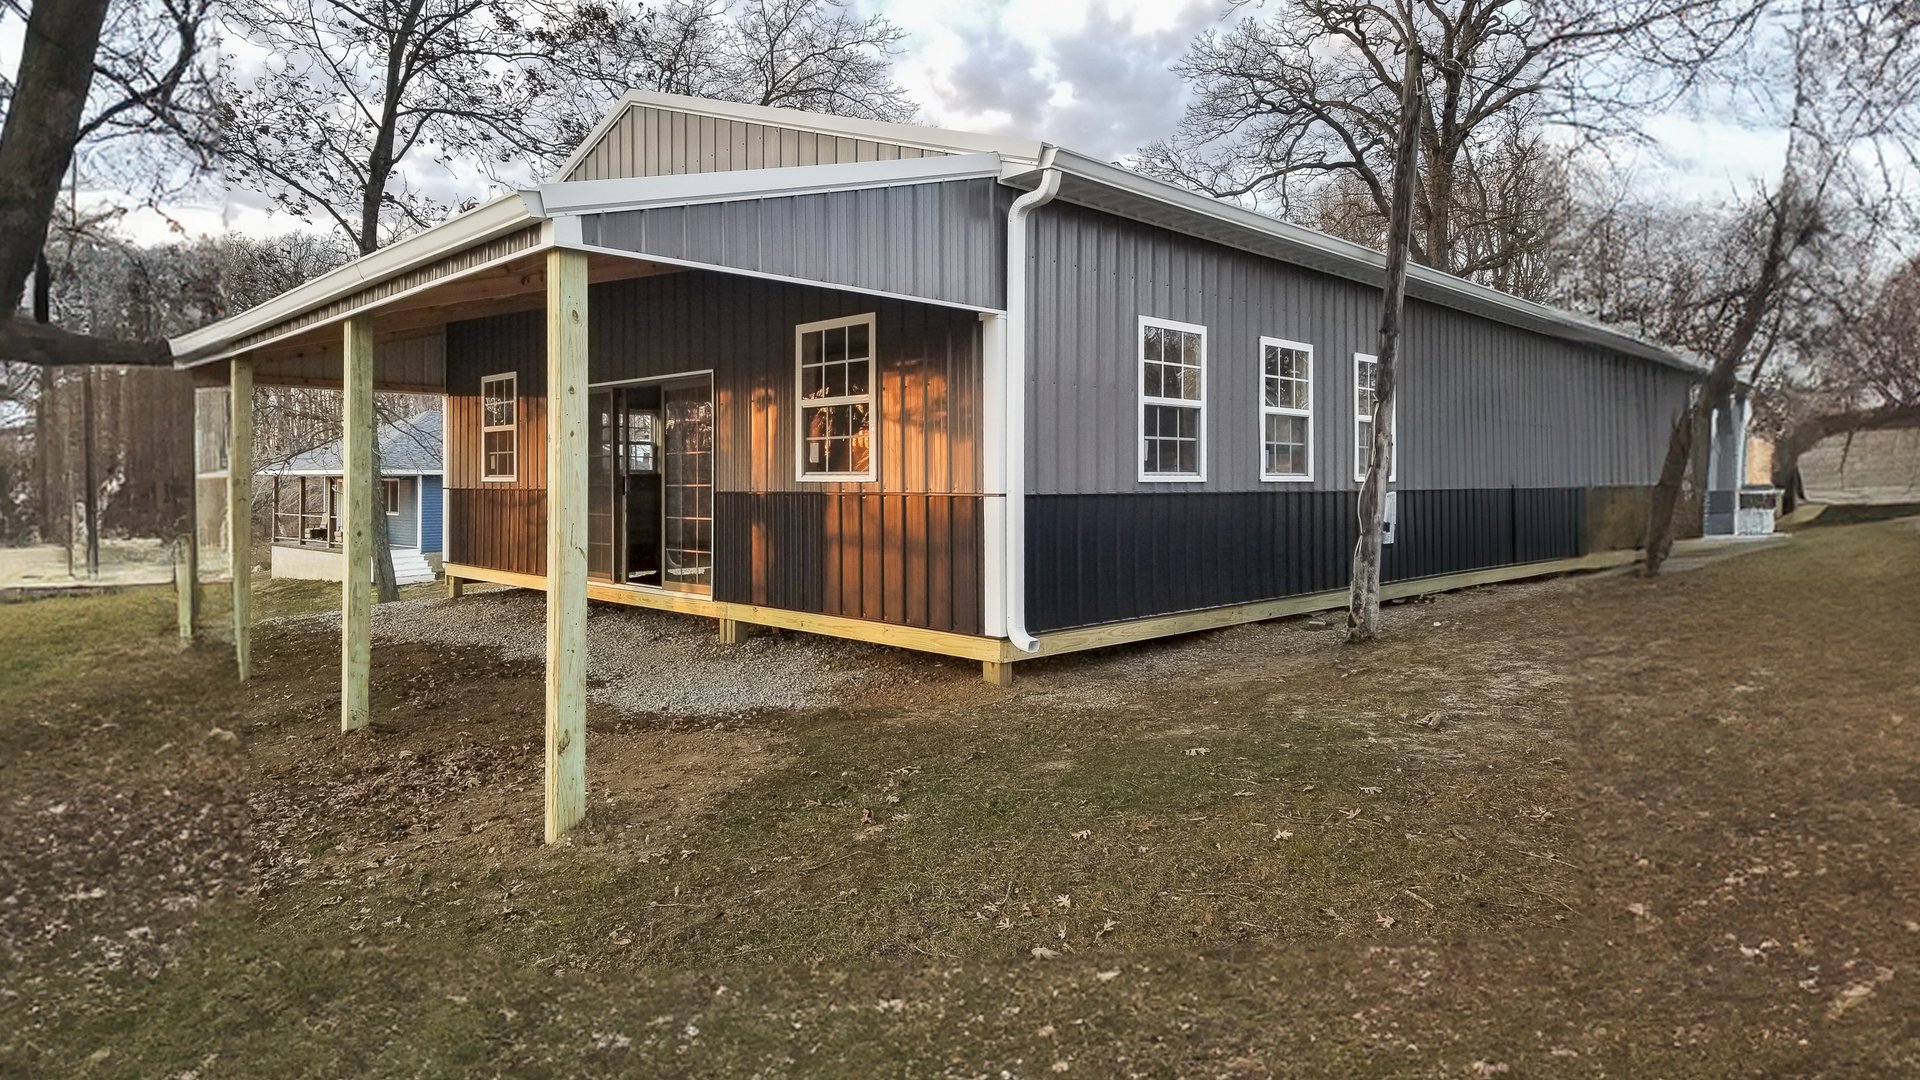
{"x": 650, "y": 485}
{"x": 687, "y": 520}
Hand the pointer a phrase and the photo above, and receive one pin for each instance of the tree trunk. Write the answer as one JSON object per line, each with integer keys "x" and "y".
{"x": 1754, "y": 309}
{"x": 1810, "y": 432}
{"x": 385, "y": 588}
{"x": 1363, "y": 611}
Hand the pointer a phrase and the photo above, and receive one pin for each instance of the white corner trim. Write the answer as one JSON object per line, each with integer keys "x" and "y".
{"x": 644, "y": 192}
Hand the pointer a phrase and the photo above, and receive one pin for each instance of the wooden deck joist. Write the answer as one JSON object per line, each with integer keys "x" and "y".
{"x": 997, "y": 656}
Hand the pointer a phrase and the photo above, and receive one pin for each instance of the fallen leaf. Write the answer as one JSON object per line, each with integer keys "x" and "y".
{"x": 1041, "y": 952}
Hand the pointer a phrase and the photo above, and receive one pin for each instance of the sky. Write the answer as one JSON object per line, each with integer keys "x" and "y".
{"x": 1094, "y": 75}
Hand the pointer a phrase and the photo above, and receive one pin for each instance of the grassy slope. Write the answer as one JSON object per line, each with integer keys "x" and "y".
{"x": 1561, "y": 878}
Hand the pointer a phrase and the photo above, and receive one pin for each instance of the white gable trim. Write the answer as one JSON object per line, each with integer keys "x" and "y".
{"x": 940, "y": 140}
{"x": 642, "y": 192}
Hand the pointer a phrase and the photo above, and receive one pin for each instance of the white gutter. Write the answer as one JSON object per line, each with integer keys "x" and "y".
{"x": 1014, "y": 517}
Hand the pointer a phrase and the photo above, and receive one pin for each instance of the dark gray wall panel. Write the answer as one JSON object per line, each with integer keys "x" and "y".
{"x": 944, "y": 241}
{"x": 1095, "y": 559}
{"x": 1481, "y": 404}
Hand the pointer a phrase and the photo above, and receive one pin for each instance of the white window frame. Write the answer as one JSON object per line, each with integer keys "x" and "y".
{"x": 512, "y": 379}
{"x": 1140, "y": 407}
{"x": 871, "y": 399}
{"x": 390, "y": 495}
{"x": 1265, "y": 410}
{"x": 1393, "y": 416}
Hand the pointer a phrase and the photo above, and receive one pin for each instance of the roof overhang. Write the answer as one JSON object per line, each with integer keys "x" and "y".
{"x": 501, "y": 217}
{"x": 644, "y": 192}
{"x": 1102, "y": 186}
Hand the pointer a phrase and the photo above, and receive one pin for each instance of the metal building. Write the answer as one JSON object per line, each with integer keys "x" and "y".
{"x": 972, "y": 395}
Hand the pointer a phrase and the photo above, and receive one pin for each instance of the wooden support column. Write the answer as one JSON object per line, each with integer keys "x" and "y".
{"x": 453, "y": 587}
{"x": 240, "y": 508}
{"x": 730, "y": 631}
{"x": 356, "y": 522}
{"x": 996, "y": 673}
{"x": 566, "y": 541}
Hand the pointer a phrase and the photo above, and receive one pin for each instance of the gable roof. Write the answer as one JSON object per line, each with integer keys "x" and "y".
{"x": 1087, "y": 181}
{"x": 408, "y": 447}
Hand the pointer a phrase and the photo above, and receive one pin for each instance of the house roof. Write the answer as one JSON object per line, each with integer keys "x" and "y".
{"x": 1087, "y": 181}
{"x": 408, "y": 447}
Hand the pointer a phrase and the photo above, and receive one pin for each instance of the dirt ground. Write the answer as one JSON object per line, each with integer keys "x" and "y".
{"x": 1594, "y": 826}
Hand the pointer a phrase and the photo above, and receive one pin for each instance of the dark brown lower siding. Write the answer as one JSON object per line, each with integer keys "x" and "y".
{"x": 914, "y": 560}
{"x": 1095, "y": 559}
{"x": 500, "y": 528}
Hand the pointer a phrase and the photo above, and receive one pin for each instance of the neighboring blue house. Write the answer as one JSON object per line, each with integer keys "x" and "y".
{"x": 306, "y": 497}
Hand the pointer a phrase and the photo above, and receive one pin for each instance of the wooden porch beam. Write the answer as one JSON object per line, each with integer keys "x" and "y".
{"x": 356, "y": 522}
{"x": 240, "y": 508}
{"x": 566, "y": 785}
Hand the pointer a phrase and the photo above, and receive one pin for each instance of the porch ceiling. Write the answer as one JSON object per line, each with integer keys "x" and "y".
{"x": 409, "y": 332}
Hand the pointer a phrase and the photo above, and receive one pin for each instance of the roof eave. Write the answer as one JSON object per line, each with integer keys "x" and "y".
{"x": 1329, "y": 254}
{"x": 506, "y": 214}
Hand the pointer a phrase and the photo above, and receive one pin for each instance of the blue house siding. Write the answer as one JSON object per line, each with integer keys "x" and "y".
{"x": 430, "y": 515}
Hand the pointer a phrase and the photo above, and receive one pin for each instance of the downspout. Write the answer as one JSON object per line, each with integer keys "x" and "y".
{"x": 1014, "y": 543}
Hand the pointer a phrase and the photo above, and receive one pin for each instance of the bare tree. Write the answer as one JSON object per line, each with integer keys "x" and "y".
{"x": 1851, "y": 94}
{"x": 144, "y": 88}
{"x": 1860, "y": 373}
{"x": 817, "y": 55}
{"x": 1306, "y": 95}
{"x": 1363, "y": 610}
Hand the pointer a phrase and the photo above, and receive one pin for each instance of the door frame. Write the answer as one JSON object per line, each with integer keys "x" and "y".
{"x": 679, "y": 376}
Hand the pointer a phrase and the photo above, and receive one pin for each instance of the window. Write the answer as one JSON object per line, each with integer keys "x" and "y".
{"x": 1366, "y": 369}
{"x": 391, "y": 489}
{"x": 499, "y": 430}
{"x": 1173, "y": 388}
{"x": 1286, "y": 410}
{"x": 834, "y": 381}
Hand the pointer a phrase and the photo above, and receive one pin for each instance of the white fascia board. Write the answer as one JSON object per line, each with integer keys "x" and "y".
{"x": 1317, "y": 250}
{"x": 504, "y": 215}
{"x": 639, "y": 193}
{"x": 940, "y": 140}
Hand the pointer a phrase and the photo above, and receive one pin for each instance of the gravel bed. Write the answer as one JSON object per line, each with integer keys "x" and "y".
{"x": 650, "y": 662}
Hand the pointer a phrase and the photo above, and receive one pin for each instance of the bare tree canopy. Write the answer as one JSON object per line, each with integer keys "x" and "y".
{"x": 817, "y": 55}
{"x": 337, "y": 96}
{"x": 1300, "y": 102}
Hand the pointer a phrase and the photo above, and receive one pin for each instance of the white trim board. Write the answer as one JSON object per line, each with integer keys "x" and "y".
{"x": 572, "y": 243}
{"x": 647, "y": 192}
{"x": 502, "y": 216}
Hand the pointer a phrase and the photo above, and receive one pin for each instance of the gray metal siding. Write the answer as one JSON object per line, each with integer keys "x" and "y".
{"x": 944, "y": 241}
{"x": 1481, "y": 405}
{"x": 648, "y": 141}
{"x": 401, "y": 527}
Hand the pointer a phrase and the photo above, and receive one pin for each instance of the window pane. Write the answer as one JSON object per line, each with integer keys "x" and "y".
{"x": 1270, "y": 361}
{"x": 810, "y": 347}
{"x": 1190, "y": 349}
{"x": 836, "y": 347}
{"x": 857, "y": 341}
{"x": 1189, "y": 384}
{"x": 857, "y": 372}
{"x": 836, "y": 380}
{"x": 813, "y": 381}
{"x": 1151, "y": 350}
{"x": 1154, "y": 386}
{"x": 1189, "y": 457}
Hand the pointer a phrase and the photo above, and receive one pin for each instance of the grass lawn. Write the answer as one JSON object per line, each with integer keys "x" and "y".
{"x": 1598, "y": 826}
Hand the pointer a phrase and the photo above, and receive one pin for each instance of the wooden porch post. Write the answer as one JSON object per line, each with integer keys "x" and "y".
{"x": 566, "y": 541}
{"x": 240, "y": 507}
{"x": 356, "y": 521}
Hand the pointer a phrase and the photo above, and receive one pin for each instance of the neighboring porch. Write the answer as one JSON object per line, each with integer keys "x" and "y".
{"x": 307, "y": 540}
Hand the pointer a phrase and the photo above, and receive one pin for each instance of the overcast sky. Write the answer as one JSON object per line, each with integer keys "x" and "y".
{"x": 1094, "y": 75}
